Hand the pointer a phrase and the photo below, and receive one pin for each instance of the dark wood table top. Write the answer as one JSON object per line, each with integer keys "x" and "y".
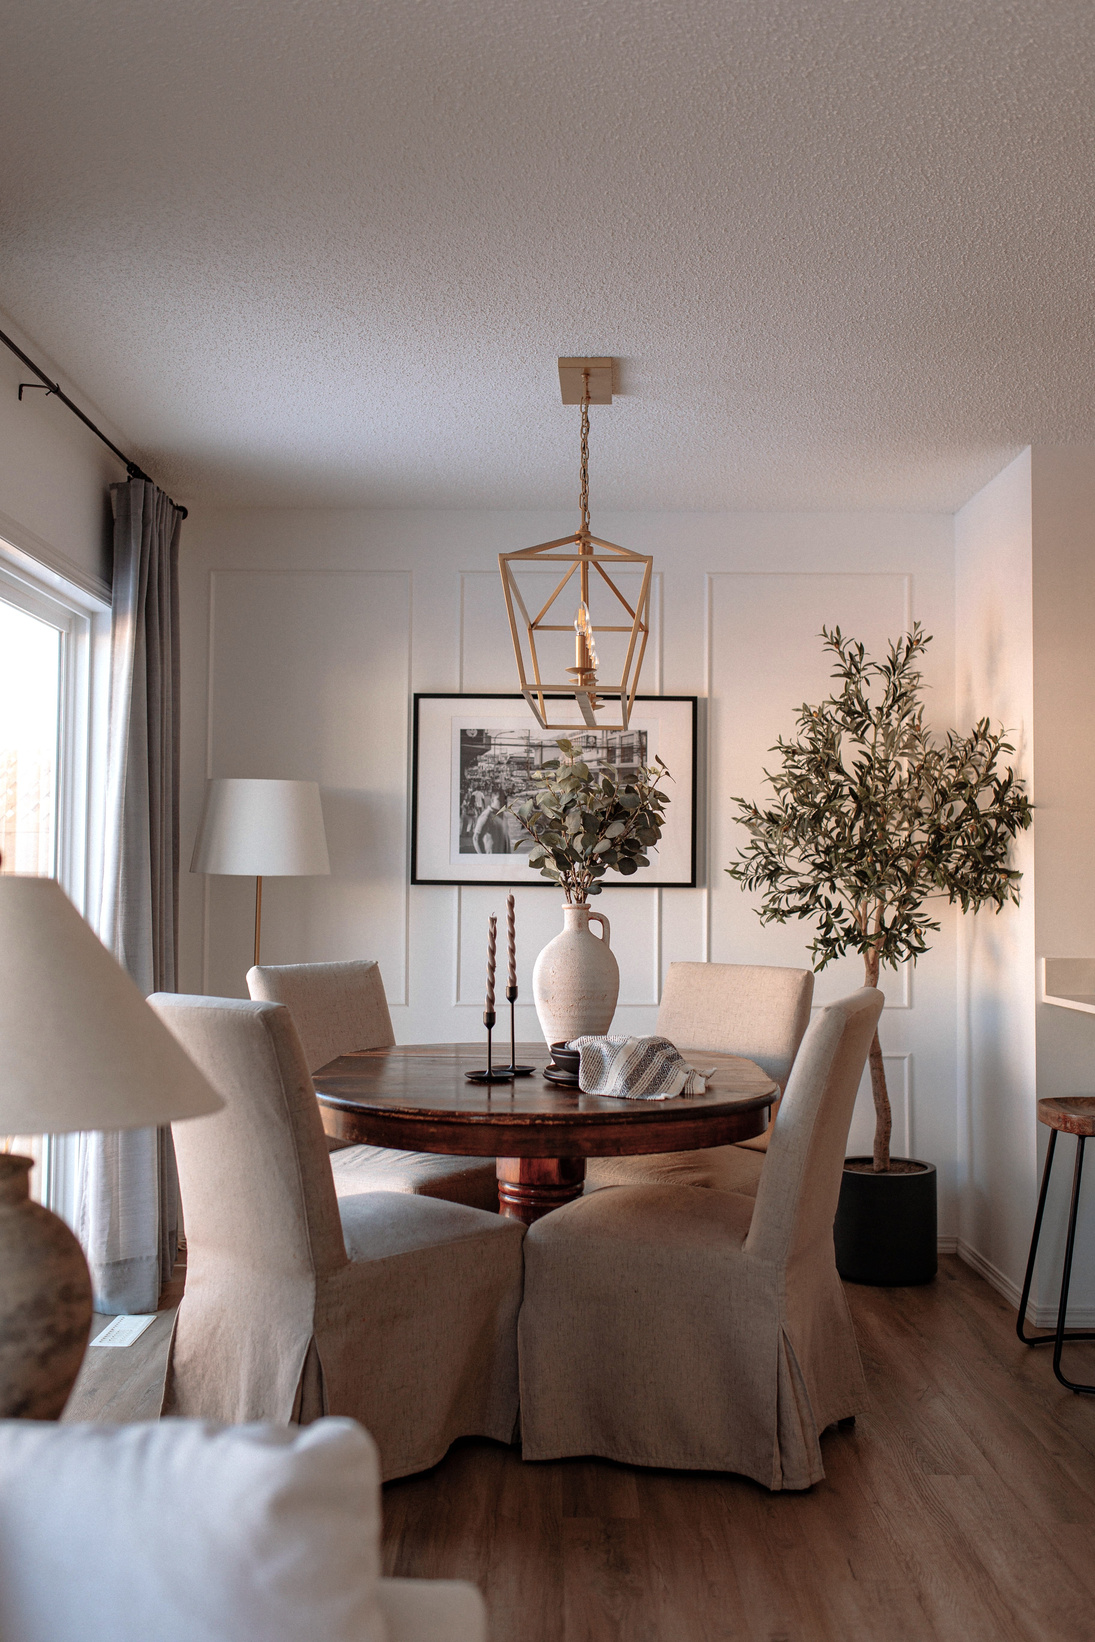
{"x": 415, "y": 1097}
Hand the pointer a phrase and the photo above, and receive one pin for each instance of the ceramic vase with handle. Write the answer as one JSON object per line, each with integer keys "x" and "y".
{"x": 45, "y": 1301}
{"x": 576, "y": 980}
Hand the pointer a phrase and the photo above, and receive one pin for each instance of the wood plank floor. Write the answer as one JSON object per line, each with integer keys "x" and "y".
{"x": 961, "y": 1508}
{"x": 118, "y": 1384}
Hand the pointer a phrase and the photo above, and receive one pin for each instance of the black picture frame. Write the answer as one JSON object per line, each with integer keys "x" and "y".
{"x": 448, "y": 760}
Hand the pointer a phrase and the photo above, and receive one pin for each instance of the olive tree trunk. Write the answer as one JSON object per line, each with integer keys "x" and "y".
{"x": 883, "y": 1118}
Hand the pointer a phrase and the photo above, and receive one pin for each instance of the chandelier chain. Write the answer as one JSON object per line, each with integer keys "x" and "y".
{"x": 583, "y": 471}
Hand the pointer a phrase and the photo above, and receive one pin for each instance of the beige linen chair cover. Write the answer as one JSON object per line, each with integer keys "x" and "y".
{"x": 757, "y": 1010}
{"x": 670, "y": 1326}
{"x": 340, "y": 1007}
{"x": 398, "y": 1310}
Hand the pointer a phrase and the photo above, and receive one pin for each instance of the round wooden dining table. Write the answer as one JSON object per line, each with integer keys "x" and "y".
{"x": 415, "y": 1097}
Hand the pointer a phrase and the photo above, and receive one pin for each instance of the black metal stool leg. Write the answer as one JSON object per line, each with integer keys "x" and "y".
{"x": 1066, "y": 1276}
{"x": 1058, "y": 1336}
{"x": 1020, "y": 1326}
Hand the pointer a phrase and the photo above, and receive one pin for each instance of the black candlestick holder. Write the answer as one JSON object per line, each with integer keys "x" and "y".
{"x": 487, "y": 1074}
{"x": 513, "y": 1069}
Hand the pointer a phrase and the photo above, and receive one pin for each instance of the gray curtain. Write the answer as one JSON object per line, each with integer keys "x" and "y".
{"x": 128, "y": 1204}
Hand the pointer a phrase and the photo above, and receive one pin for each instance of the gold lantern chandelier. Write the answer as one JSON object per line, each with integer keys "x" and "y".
{"x": 586, "y": 562}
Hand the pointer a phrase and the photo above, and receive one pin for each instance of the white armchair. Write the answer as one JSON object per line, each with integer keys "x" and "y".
{"x": 186, "y": 1532}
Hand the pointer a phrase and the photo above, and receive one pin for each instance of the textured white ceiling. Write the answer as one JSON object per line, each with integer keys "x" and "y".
{"x": 329, "y": 250}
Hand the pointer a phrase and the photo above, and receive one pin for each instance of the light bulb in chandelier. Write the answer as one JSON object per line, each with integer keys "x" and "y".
{"x": 585, "y": 647}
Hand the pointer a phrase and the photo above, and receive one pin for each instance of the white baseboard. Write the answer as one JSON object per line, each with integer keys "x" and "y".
{"x": 947, "y": 1245}
{"x": 1039, "y": 1317}
{"x": 992, "y": 1274}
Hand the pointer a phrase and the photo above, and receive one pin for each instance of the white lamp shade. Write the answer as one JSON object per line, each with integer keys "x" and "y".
{"x": 261, "y": 829}
{"x": 79, "y": 1046}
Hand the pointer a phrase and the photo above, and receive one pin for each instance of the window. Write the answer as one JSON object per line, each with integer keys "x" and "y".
{"x": 31, "y": 652}
{"x": 54, "y": 642}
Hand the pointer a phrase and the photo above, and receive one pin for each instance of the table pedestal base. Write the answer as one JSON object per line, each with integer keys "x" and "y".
{"x": 529, "y": 1187}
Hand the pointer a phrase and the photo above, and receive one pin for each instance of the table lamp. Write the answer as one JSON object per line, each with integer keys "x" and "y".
{"x": 79, "y": 1049}
{"x": 261, "y": 829}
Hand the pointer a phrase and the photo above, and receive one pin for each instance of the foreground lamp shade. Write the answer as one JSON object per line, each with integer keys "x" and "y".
{"x": 79, "y": 1046}
{"x": 261, "y": 829}
{"x": 79, "y": 1049}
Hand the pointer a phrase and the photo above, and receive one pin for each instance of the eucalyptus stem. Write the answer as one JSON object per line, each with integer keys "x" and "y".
{"x": 585, "y": 823}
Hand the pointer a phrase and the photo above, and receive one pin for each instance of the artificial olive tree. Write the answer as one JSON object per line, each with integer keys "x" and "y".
{"x": 872, "y": 816}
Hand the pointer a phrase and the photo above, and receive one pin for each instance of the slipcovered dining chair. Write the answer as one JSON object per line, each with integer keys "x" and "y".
{"x": 706, "y": 1330}
{"x": 757, "y": 1010}
{"x": 340, "y": 1007}
{"x": 398, "y": 1310}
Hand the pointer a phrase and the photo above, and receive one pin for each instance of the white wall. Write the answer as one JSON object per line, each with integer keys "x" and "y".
{"x": 54, "y": 474}
{"x": 306, "y": 633}
{"x": 996, "y": 966}
{"x": 1063, "y": 602}
{"x": 1025, "y": 604}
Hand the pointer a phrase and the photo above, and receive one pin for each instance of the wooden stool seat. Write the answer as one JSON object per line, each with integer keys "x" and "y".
{"x": 1071, "y": 1114}
{"x": 1067, "y": 1115}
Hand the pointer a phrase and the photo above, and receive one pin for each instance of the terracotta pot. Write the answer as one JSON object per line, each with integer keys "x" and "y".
{"x": 576, "y": 980}
{"x": 45, "y": 1301}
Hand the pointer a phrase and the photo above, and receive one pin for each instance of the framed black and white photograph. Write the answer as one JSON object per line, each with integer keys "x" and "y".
{"x": 474, "y": 758}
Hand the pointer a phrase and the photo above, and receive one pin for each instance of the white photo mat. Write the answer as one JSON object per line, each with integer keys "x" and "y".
{"x": 472, "y": 758}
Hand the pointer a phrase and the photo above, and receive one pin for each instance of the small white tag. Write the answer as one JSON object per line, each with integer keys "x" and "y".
{"x": 123, "y": 1331}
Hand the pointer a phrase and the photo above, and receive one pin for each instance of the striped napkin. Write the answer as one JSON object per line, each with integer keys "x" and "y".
{"x": 636, "y": 1069}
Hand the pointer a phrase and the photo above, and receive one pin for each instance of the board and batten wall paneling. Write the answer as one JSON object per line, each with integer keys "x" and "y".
{"x": 309, "y": 677}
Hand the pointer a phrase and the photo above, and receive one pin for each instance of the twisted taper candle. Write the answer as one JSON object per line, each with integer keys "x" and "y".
{"x": 492, "y": 943}
{"x": 511, "y": 931}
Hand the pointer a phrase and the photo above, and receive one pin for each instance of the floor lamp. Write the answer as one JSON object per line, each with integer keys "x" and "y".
{"x": 79, "y": 1049}
{"x": 261, "y": 829}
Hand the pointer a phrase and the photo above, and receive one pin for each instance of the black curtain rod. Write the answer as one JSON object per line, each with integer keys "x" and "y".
{"x": 131, "y": 468}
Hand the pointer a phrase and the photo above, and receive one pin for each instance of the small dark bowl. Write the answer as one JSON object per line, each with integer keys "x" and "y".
{"x": 564, "y": 1059}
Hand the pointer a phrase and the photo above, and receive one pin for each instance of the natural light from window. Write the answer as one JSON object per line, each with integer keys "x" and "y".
{"x": 30, "y": 710}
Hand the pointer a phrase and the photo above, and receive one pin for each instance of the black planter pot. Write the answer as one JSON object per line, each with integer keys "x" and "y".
{"x": 885, "y": 1228}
